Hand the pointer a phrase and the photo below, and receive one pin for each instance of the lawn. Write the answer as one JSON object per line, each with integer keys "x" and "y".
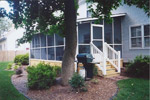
{"x": 133, "y": 89}
{"x": 7, "y": 90}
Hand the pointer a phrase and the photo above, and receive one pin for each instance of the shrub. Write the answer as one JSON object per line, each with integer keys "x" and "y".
{"x": 95, "y": 71}
{"x": 18, "y": 71}
{"x": 58, "y": 70}
{"x": 77, "y": 82}
{"x": 16, "y": 67}
{"x": 94, "y": 81}
{"x": 19, "y": 64}
{"x": 9, "y": 66}
{"x": 139, "y": 67}
{"x": 18, "y": 59}
{"x": 23, "y": 59}
{"x": 41, "y": 76}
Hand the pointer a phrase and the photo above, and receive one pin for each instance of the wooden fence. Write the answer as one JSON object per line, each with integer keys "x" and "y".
{"x": 10, "y": 55}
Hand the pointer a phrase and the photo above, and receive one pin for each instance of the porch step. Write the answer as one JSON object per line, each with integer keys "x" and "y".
{"x": 112, "y": 74}
{"x": 109, "y": 67}
{"x": 110, "y": 71}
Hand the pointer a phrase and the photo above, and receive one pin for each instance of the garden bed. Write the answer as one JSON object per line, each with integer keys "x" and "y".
{"x": 104, "y": 89}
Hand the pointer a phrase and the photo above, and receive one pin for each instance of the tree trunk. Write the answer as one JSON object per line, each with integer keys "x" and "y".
{"x": 71, "y": 41}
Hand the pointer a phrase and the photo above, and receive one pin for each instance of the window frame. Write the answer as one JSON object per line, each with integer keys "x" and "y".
{"x": 142, "y": 37}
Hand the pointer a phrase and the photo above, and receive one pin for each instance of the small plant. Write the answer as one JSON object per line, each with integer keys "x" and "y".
{"x": 9, "y": 66}
{"x": 16, "y": 67}
{"x": 19, "y": 64}
{"x": 41, "y": 76}
{"x": 139, "y": 67}
{"x": 77, "y": 82}
{"x": 94, "y": 81}
{"x": 19, "y": 71}
{"x": 95, "y": 71}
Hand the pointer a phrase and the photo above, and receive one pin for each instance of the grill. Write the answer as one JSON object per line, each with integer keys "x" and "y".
{"x": 86, "y": 59}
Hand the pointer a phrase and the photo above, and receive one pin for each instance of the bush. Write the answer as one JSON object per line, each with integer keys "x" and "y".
{"x": 77, "y": 82}
{"x": 19, "y": 71}
{"x": 41, "y": 76}
{"x": 9, "y": 66}
{"x": 95, "y": 71}
{"x": 139, "y": 67}
{"x": 58, "y": 70}
{"x": 16, "y": 67}
{"x": 19, "y": 64}
{"x": 23, "y": 59}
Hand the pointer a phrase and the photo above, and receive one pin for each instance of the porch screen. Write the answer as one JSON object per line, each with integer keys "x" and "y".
{"x": 47, "y": 47}
{"x": 84, "y": 38}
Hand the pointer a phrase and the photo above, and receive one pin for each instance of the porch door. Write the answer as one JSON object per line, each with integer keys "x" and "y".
{"x": 97, "y": 35}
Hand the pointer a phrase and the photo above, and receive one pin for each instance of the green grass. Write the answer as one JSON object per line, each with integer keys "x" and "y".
{"x": 7, "y": 90}
{"x": 133, "y": 89}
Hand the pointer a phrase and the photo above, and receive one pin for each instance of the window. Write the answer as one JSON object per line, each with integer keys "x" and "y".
{"x": 51, "y": 54}
{"x": 43, "y": 40}
{"x": 89, "y": 13}
{"x": 43, "y": 53}
{"x": 47, "y": 47}
{"x": 84, "y": 48}
{"x": 136, "y": 36}
{"x": 0, "y": 47}
{"x": 50, "y": 40}
{"x": 59, "y": 53}
{"x": 147, "y": 35}
{"x": 84, "y": 37}
{"x": 140, "y": 36}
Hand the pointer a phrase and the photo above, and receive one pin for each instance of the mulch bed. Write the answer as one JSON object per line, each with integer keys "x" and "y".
{"x": 105, "y": 89}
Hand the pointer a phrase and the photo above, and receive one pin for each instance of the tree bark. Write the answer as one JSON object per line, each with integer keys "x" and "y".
{"x": 71, "y": 41}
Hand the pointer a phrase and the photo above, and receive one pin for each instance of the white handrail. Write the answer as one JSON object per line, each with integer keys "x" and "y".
{"x": 101, "y": 58}
{"x": 97, "y": 49}
{"x": 113, "y": 59}
{"x": 112, "y": 56}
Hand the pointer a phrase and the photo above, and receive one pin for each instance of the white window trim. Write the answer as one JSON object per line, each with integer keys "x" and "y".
{"x": 142, "y": 37}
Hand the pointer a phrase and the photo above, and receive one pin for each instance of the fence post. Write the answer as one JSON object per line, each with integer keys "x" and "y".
{"x": 119, "y": 62}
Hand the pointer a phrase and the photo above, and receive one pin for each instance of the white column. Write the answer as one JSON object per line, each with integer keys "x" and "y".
{"x": 91, "y": 47}
{"x": 104, "y": 50}
{"x": 119, "y": 62}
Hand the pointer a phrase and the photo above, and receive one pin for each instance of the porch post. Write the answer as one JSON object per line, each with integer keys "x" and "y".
{"x": 91, "y": 47}
{"x": 119, "y": 62}
{"x": 104, "y": 50}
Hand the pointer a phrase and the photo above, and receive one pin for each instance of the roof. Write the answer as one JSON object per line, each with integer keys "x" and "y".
{"x": 90, "y": 18}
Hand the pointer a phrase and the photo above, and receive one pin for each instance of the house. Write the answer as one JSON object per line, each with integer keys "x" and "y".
{"x": 111, "y": 44}
{"x": 8, "y": 40}
{"x": 8, "y": 44}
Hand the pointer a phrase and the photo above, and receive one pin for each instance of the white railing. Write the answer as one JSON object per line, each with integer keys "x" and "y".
{"x": 112, "y": 56}
{"x": 99, "y": 57}
{"x": 109, "y": 54}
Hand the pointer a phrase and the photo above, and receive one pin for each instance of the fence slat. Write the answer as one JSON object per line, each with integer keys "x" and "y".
{"x": 10, "y": 55}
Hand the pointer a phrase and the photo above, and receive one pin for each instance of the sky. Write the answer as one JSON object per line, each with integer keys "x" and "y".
{"x": 5, "y": 5}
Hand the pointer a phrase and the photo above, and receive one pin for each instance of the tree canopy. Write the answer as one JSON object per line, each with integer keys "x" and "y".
{"x": 5, "y": 25}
